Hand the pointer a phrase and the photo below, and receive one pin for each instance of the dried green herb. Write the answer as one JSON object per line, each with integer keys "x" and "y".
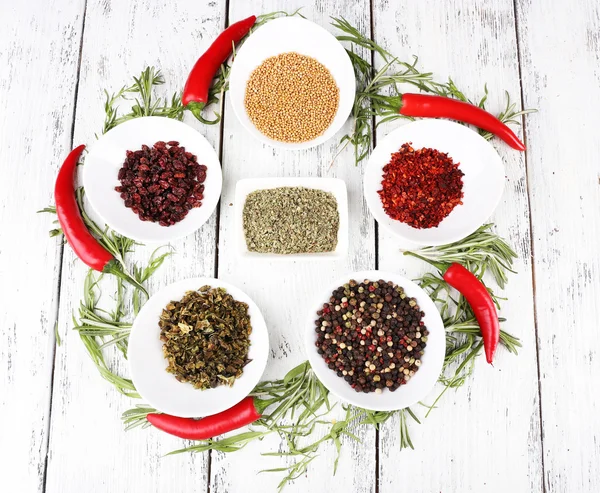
{"x": 206, "y": 337}
{"x": 290, "y": 220}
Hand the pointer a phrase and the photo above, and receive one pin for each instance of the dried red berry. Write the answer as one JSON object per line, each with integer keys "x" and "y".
{"x": 162, "y": 183}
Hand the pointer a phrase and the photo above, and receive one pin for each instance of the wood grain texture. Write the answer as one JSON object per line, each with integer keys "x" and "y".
{"x": 560, "y": 63}
{"x": 39, "y": 47}
{"x": 89, "y": 449}
{"x": 490, "y": 426}
{"x": 284, "y": 290}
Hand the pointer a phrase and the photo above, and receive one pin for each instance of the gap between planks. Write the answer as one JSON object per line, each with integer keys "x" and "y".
{"x": 376, "y": 225}
{"x": 532, "y": 248}
{"x": 218, "y": 224}
{"x": 61, "y": 259}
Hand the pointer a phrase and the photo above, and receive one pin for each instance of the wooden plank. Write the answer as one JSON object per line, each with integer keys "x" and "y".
{"x": 283, "y": 290}
{"x": 121, "y": 38}
{"x": 486, "y": 435}
{"x": 38, "y": 74}
{"x": 560, "y": 59}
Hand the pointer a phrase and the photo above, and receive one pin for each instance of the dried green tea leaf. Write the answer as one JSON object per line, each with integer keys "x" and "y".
{"x": 206, "y": 337}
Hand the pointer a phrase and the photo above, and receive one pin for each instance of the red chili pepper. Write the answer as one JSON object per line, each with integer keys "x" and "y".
{"x": 243, "y": 413}
{"x": 200, "y": 78}
{"x": 85, "y": 246}
{"x": 430, "y": 106}
{"x": 481, "y": 303}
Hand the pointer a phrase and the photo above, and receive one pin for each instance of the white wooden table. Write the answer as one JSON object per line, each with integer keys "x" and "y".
{"x": 531, "y": 424}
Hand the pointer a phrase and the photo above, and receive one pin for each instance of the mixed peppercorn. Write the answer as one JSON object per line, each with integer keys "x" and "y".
{"x": 163, "y": 183}
{"x": 420, "y": 187}
{"x": 372, "y": 335}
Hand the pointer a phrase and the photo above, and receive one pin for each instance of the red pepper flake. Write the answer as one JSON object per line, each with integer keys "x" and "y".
{"x": 420, "y": 187}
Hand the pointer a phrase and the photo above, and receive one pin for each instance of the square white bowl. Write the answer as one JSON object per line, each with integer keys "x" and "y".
{"x": 333, "y": 185}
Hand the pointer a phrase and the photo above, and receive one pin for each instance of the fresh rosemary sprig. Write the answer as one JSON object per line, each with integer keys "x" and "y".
{"x": 136, "y": 417}
{"x": 481, "y": 251}
{"x": 299, "y": 404}
{"x": 94, "y": 328}
{"x": 145, "y": 103}
{"x": 378, "y": 92}
{"x": 99, "y": 329}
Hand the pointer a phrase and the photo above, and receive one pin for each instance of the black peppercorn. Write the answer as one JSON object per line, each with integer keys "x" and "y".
{"x": 379, "y": 339}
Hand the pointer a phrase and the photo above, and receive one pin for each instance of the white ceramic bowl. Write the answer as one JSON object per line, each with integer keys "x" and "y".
{"x": 106, "y": 157}
{"x": 483, "y": 180}
{"x": 148, "y": 366}
{"x": 424, "y": 379}
{"x": 292, "y": 34}
{"x": 334, "y": 185}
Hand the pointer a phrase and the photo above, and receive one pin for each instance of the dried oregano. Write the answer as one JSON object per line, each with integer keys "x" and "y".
{"x": 290, "y": 220}
{"x": 206, "y": 337}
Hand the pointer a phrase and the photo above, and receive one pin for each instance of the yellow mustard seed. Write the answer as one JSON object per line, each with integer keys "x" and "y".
{"x": 291, "y": 98}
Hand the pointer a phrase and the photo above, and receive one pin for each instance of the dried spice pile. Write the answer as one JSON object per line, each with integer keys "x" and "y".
{"x": 372, "y": 335}
{"x": 289, "y": 220}
{"x": 420, "y": 187}
{"x": 206, "y": 337}
{"x": 161, "y": 184}
{"x": 291, "y": 98}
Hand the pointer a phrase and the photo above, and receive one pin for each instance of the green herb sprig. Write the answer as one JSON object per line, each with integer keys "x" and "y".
{"x": 145, "y": 103}
{"x": 378, "y": 94}
{"x": 482, "y": 251}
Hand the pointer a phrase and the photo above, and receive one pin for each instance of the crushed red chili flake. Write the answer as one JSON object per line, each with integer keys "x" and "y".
{"x": 163, "y": 183}
{"x": 420, "y": 187}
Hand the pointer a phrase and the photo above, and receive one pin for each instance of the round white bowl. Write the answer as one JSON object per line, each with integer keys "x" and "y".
{"x": 431, "y": 362}
{"x": 106, "y": 157}
{"x": 292, "y": 34}
{"x": 483, "y": 180}
{"x": 148, "y": 365}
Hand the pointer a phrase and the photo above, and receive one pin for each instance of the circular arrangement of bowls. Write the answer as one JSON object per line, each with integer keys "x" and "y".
{"x": 483, "y": 183}
{"x": 106, "y": 157}
{"x": 432, "y": 360}
{"x": 148, "y": 366}
{"x": 483, "y": 180}
{"x": 292, "y": 34}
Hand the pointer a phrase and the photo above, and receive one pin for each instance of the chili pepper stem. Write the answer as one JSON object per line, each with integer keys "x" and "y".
{"x": 438, "y": 265}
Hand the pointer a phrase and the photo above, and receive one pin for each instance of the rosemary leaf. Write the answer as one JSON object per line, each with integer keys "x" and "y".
{"x": 483, "y": 249}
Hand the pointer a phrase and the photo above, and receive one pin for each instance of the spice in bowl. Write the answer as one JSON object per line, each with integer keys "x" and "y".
{"x": 163, "y": 183}
{"x": 206, "y": 337}
{"x": 420, "y": 187}
{"x": 291, "y": 98}
{"x": 291, "y": 220}
{"x": 372, "y": 335}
